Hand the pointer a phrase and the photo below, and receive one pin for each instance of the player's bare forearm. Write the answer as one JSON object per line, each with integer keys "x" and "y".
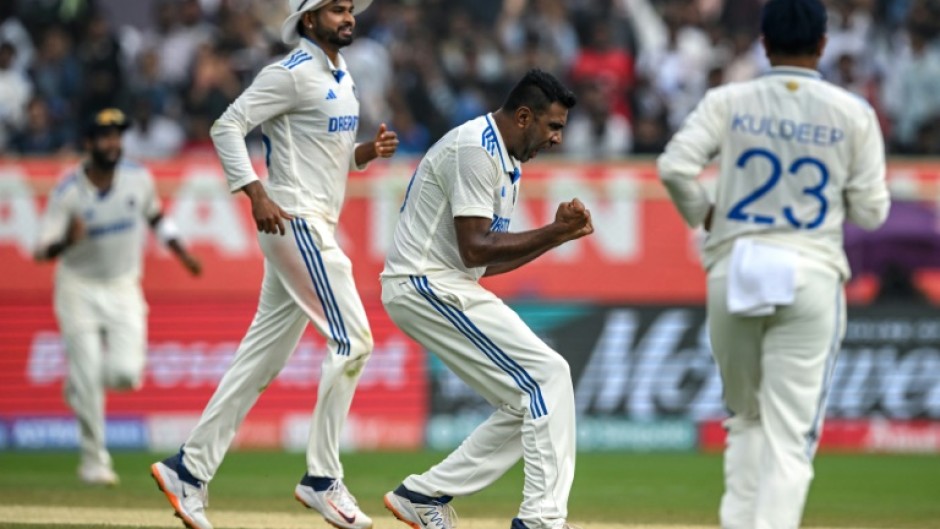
{"x": 503, "y": 252}
{"x": 502, "y": 268}
{"x": 193, "y": 266}
{"x": 479, "y": 246}
{"x": 269, "y": 217}
{"x": 384, "y": 146}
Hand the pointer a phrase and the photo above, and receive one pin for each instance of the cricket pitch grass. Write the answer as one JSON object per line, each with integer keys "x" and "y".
{"x": 254, "y": 490}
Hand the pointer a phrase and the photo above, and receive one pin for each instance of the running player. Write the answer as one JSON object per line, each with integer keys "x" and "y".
{"x": 798, "y": 157}
{"x": 95, "y": 224}
{"x": 308, "y": 111}
{"x": 454, "y": 229}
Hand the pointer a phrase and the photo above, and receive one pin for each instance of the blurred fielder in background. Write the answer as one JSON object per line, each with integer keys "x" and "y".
{"x": 95, "y": 223}
{"x": 454, "y": 229}
{"x": 798, "y": 157}
{"x": 308, "y": 110}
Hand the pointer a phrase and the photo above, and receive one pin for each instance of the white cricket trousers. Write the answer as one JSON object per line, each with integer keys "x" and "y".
{"x": 489, "y": 347}
{"x": 104, "y": 326}
{"x": 307, "y": 277}
{"x": 776, "y": 372}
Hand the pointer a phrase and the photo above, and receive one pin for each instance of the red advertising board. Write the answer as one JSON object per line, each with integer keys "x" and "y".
{"x": 190, "y": 346}
{"x": 640, "y": 251}
{"x": 860, "y": 435}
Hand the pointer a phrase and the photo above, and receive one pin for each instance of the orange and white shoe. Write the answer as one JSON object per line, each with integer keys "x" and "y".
{"x": 421, "y": 512}
{"x": 188, "y": 496}
{"x": 332, "y": 499}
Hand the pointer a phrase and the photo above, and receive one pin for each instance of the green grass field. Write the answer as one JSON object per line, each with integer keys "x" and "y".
{"x": 872, "y": 491}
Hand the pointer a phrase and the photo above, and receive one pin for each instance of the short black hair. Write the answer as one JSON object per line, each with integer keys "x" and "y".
{"x": 538, "y": 90}
{"x": 793, "y": 27}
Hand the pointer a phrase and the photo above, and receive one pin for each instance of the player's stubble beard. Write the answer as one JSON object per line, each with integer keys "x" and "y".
{"x": 332, "y": 36}
{"x": 105, "y": 159}
{"x": 531, "y": 144}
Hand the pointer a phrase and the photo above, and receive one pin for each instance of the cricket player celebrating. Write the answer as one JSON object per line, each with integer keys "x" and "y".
{"x": 798, "y": 157}
{"x": 95, "y": 224}
{"x": 308, "y": 111}
{"x": 454, "y": 229}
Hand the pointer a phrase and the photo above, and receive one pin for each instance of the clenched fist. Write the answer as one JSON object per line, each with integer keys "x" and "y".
{"x": 575, "y": 218}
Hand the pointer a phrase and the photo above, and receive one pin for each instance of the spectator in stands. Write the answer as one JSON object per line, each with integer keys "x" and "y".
{"x": 73, "y": 15}
{"x": 151, "y": 136}
{"x": 911, "y": 93}
{"x": 599, "y": 58}
{"x": 212, "y": 88}
{"x": 594, "y": 131}
{"x": 57, "y": 73}
{"x": 370, "y": 64}
{"x": 146, "y": 81}
{"x": 103, "y": 79}
{"x": 542, "y": 26}
{"x": 15, "y": 91}
{"x": 850, "y": 32}
{"x": 746, "y": 61}
{"x": 179, "y": 33}
{"x": 650, "y": 134}
{"x": 413, "y": 137}
{"x": 41, "y": 135}
{"x": 241, "y": 38}
{"x": 448, "y": 55}
{"x": 13, "y": 31}
{"x": 677, "y": 70}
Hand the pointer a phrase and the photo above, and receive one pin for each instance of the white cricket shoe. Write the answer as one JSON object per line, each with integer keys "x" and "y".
{"x": 430, "y": 515}
{"x": 338, "y": 507}
{"x": 98, "y": 474}
{"x": 188, "y": 496}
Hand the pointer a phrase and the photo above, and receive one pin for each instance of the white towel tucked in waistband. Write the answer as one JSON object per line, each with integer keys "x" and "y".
{"x": 760, "y": 278}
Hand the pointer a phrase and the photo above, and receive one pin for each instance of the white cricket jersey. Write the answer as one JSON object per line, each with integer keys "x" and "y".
{"x": 798, "y": 156}
{"x": 467, "y": 173}
{"x": 309, "y": 112}
{"x": 116, "y": 222}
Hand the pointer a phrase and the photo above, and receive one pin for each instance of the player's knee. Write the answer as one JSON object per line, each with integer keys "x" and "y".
{"x": 361, "y": 347}
{"x": 124, "y": 380}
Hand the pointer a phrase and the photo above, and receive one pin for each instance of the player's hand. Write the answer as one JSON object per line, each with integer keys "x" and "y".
{"x": 269, "y": 217}
{"x": 192, "y": 264}
{"x": 386, "y": 142}
{"x": 575, "y": 218}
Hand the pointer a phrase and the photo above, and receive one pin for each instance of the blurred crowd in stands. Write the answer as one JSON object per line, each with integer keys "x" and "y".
{"x": 423, "y": 66}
